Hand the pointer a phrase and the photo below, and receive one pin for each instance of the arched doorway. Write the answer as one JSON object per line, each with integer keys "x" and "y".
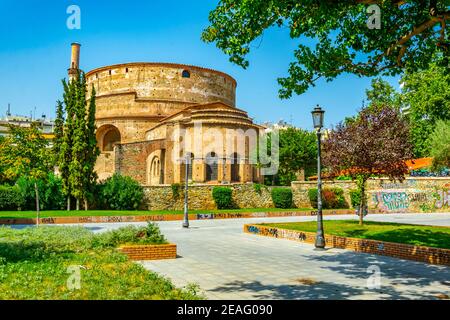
{"x": 211, "y": 167}
{"x": 235, "y": 168}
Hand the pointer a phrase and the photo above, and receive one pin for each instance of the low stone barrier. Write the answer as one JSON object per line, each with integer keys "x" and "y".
{"x": 150, "y": 252}
{"x": 397, "y": 250}
{"x": 171, "y": 217}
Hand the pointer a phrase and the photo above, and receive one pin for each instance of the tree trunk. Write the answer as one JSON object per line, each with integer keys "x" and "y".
{"x": 86, "y": 205}
{"x": 68, "y": 203}
{"x": 78, "y": 204}
{"x": 37, "y": 203}
{"x": 363, "y": 202}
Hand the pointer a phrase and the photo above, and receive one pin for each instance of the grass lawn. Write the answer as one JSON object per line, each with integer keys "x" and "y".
{"x": 83, "y": 213}
{"x": 392, "y": 232}
{"x": 34, "y": 264}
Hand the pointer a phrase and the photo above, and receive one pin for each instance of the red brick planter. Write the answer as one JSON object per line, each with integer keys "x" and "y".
{"x": 397, "y": 250}
{"x": 150, "y": 252}
{"x": 172, "y": 217}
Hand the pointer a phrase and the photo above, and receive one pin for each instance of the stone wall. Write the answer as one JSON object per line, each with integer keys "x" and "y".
{"x": 412, "y": 195}
{"x": 200, "y": 197}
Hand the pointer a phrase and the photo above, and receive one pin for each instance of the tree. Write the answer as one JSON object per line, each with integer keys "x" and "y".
{"x": 297, "y": 150}
{"x": 78, "y": 151}
{"x": 426, "y": 93}
{"x": 376, "y": 144}
{"x": 58, "y": 131}
{"x": 440, "y": 145}
{"x": 381, "y": 94}
{"x": 92, "y": 151}
{"x": 78, "y": 162}
{"x": 24, "y": 153}
{"x": 65, "y": 151}
{"x": 410, "y": 32}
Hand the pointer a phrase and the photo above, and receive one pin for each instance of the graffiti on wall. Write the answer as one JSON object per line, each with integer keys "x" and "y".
{"x": 393, "y": 200}
{"x": 443, "y": 199}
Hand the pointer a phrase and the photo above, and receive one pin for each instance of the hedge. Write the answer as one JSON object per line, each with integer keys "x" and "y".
{"x": 223, "y": 197}
{"x": 332, "y": 198}
{"x": 282, "y": 198}
{"x": 10, "y": 198}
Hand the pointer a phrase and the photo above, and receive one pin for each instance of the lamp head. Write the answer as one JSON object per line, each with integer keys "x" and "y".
{"x": 318, "y": 115}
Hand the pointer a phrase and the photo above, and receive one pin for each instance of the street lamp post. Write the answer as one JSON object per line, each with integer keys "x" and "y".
{"x": 186, "y": 217}
{"x": 317, "y": 115}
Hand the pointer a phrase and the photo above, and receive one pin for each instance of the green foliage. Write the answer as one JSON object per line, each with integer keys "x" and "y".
{"x": 122, "y": 193}
{"x": 333, "y": 37}
{"x": 355, "y": 197}
{"x": 345, "y": 178}
{"x": 176, "y": 188}
{"x": 50, "y": 192}
{"x": 382, "y": 94}
{"x": 440, "y": 145}
{"x": 426, "y": 93}
{"x": 77, "y": 147}
{"x": 257, "y": 188}
{"x": 223, "y": 197}
{"x": 332, "y": 198}
{"x": 383, "y": 231}
{"x": 282, "y": 198}
{"x": 297, "y": 150}
{"x": 23, "y": 153}
{"x": 33, "y": 256}
{"x": 10, "y": 198}
{"x": 58, "y": 131}
{"x": 150, "y": 234}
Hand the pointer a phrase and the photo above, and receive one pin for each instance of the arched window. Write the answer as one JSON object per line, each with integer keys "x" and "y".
{"x": 235, "y": 168}
{"x": 110, "y": 139}
{"x": 186, "y": 74}
{"x": 155, "y": 167}
{"x": 211, "y": 166}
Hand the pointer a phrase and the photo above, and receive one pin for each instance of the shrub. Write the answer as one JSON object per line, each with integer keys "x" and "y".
{"x": 150, "y": 234}
{"x": 257, "y": 188}
{"x": 332, "y": 198}
{"x": 121, "y": 193}
{"x": 282, "y": 198}
{"x": 10, "y": 198}
{"x": 176, "y": 188}
{"x": 355, "y": 198}
{"x": 223, "y": 197}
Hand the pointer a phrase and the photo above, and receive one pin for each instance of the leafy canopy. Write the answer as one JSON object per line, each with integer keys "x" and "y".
{"x": 24, "y": 153}
{"x": 440, "y": 145}
{"x": 333, "y": 36}
{"x": 377, "y": 143}
{"x": 426, "y": 94}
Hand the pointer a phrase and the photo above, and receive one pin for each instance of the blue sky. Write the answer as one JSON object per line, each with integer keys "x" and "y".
{"x": 35, "y": 55}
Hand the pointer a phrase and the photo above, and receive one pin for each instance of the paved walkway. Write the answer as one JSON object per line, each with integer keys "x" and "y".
{"x": 229, "y": 264}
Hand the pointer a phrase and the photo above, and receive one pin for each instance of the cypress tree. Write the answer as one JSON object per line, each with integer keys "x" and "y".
{"x": 58, "y": 132}
{"x": 78, "y": 151}
{"x": 92, "y": 151}
{"x": 65, "y": 151}
{"x": 77, "y": 166}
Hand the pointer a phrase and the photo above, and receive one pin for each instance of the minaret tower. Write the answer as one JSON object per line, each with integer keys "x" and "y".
{"x": 74, "y": 61}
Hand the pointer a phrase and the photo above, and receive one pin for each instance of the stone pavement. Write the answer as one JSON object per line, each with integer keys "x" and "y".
{"x": 229, "y": 264}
